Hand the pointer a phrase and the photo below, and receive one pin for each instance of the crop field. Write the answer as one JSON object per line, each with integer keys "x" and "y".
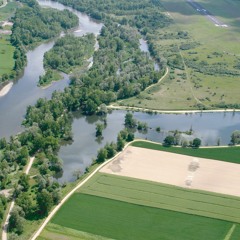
{"x": 123, "y": 220}
{"x": 204, "y": 59}
{"x": 226, "y": 154}
{"x": 113, "y": 207}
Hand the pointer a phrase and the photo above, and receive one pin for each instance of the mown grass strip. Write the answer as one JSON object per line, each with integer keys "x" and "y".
{"x": 121, "y": 220}
{"x": 54, "y": 231}
{"x": 164, "y": 196}
{"x": 226, "y": 154}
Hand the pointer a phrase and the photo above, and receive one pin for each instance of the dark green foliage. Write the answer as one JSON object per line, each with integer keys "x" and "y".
{"x": 169, "y": 141}
{"x": 99, "y": 129}
{"x": 129, "y": 121}
{"x": 24, "y": 200}
{"x": 24, "y": 181}
{"x": 45, "y": 202}
{"x": 196, "y": 143}
{"x": 102, "y": 155}
{"x": 16, "y": 221}
{"x": 48, "y": 77}
{"x": 33, "y": 24}
{"x": 142, "y": 126}
{"x": 69, "y": 52}
{"x": 119, "y": 65}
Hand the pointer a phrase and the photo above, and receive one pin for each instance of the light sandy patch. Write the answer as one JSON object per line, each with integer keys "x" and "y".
{"x": 6, "y": 89}
{"x": 176, "y": 169}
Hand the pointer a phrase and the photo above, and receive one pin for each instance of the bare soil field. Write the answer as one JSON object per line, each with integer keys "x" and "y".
{"x": 175, "y": 169}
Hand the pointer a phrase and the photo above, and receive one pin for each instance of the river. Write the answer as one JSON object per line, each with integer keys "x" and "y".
{"x": 25, "y": 91}
{"x": 78, "y": 154}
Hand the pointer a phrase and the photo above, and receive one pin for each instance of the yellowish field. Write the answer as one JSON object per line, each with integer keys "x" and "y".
{"x": 178, "y": 170}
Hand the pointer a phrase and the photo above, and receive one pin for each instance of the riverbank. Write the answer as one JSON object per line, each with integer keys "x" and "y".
{"x": 4, "y": 91}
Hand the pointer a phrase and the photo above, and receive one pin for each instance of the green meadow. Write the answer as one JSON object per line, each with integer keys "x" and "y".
{"x": 204, "y": 65}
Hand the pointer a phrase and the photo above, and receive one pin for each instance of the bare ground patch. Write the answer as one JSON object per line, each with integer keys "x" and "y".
{"x": 178, "y": 170}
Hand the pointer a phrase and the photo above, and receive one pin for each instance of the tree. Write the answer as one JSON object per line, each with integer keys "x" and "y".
{"x": 196, "y": 143}
{"x": 24, "y": 181}
{"x": 120, "y": 143}
{"x": 102, "y": 155}
{"x": 44, "y": 201}
{"x": 130, "y": 137}
{"x": 130, "y": 121}
{"x": 102, "y": 109}
{"x": 99, "y": 129}
{"x": 25, "y": 202}
{"x": 235, "y": 137}
{"x": 111, "y": 149}
{"x": 169, "y": 141}
{"x": 16, "y": 221}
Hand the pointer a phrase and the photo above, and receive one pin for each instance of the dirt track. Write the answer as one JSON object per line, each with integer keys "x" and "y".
{"x": 176, "y": 169}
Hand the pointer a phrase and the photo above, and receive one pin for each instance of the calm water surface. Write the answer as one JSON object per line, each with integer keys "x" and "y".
{"x": 208, "y": 126}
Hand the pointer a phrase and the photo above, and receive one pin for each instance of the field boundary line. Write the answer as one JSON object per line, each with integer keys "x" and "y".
{"x": 230, "y": 232}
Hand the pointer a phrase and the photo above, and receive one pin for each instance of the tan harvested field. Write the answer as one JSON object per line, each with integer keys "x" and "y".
{"x": 178, "y": 170}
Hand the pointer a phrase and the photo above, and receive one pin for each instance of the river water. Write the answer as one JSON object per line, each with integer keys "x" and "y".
{"x": 78, "y": 154}
{"x": 25, "y": 90}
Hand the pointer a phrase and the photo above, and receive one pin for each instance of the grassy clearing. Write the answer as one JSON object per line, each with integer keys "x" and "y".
{"x": 8, "y": 11}
{"x": 226, "y": 154}
{"x": 6, "y": 55}
{"x": 164, "y": 196}
{"x": 121, "y": 220}
{"x": 211, "y": 48}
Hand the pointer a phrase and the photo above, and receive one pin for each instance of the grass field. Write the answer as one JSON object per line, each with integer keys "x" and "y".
{"x": 211, "y": 47}
{"x": 122, "y": 220}
{"x": 6, "y": 55}
{"x": 227, "y": 154}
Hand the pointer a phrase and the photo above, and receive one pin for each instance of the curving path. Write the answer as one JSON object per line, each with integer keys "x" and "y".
{"x": 5, "y": 226}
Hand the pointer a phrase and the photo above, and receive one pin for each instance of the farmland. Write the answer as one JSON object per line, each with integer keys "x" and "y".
{"x": 126, "y": 208}
{"x": 204, "y": 59}
{"x": 123, "y": 220}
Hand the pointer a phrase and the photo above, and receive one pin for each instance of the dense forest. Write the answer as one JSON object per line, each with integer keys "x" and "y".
{"x": 33, "y": 24}
{"x": 68, "y": 54}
